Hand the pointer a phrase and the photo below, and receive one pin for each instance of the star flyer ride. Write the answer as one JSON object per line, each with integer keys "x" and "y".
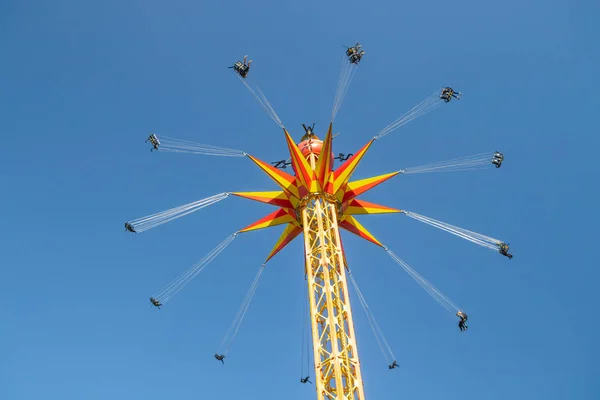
{"x": 317, "y": 200}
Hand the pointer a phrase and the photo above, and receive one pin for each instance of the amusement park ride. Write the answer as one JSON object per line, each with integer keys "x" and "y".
{"x": 316, "y": 201}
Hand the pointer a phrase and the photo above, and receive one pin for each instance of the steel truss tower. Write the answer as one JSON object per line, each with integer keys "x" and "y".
{"x": 337, "y": 367}
{"x": 318, "y": 200}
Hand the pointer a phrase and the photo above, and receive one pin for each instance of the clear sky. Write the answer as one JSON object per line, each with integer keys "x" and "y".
{"x": 83, "y": 84}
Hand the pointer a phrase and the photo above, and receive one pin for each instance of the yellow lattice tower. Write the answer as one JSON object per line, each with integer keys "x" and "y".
{"x": 318, "y": 201}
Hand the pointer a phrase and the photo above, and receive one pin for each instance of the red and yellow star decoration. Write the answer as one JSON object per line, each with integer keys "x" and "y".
{"x": 322, "y": 179}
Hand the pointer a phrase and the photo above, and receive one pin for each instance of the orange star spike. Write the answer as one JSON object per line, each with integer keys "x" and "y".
{"x": 344, "y": 172}
{"x": 277, "y": 198}
{"x": 290, "y": 232}
{"x": 304, "y": 173}
{"x": 283, "y": 179}
{"x": 325, "y": 162}
{"x": 278, "y": 217}
{"x": 352, "y": 225}
{"x": 354, "y": 207}
{"x": 343, "y": 252}
{"x": 356, "y": 188}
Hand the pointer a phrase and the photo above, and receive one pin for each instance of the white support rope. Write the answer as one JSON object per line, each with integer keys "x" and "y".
{"x": 432, "y": 102}
{"x": 438, "y": 296}
{"x": 474, "y": 162}
{"x": 474, "y": 237}
{"x": 347, "y": 72}
{"x": 237, "y": 322}
{"x": 152, "y": 221}
{"x": 305, "y": 365}
{"x": 262, "y": 100}
{"x": 181, "y": 281}
{"x": 385, "y": 348}
{"x": 174, "y": 145}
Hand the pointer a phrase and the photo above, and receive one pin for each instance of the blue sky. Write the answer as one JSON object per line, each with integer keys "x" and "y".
{"x": 83, "y": 83}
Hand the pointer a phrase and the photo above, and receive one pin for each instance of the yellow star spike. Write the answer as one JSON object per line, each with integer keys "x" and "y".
{"x": 276, "y": 198}
{"x": 281, "y": 216}
{"x": 304, "y": 173}
{"x": 352, "y": 225}
{"x": 324, "y": 166}
{"x": 283, "y": 179}
{"x": 344, "y": 172}
{"x": 290, "y": 232}
{"x": 356, "y": 188}
{"x": 355, "y": 207}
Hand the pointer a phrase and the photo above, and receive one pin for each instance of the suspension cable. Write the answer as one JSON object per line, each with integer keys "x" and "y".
{"x": 437, "y": 295}
{"x": 305, "y": 352}
{"x": 174, "y": 145}
{"x": 262, "y": 100}
{"x": 385, "y": 348}
{"x": 152, "y": 221}
{"x": 181, "y": 281}
{"x": 347, "y": 72}
{"x": 469, "y": 163}
{"x": 474, "y": 237}
{"x": 430, "y": 103}
{"x": 237, "y": 322}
